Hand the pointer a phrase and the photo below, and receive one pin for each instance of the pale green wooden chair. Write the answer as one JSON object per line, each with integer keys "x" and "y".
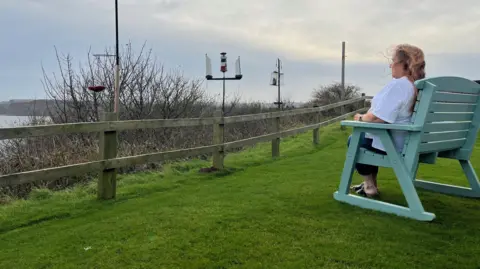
{"x": 445, "y": 124}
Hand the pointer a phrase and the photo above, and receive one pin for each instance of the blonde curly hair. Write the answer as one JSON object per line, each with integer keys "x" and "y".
{"x": 413, "y": 61}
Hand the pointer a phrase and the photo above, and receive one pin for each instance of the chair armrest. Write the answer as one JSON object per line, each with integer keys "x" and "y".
{"x": 362, "y": 124}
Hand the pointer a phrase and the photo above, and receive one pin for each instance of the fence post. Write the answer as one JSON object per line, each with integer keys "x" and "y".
{"x": 218, "y": 139}
{"x": 107, "y": 182}
{"x": 364, "y": 100}
{"x": 276, "y": 141}
{"x": 316, "y": 131}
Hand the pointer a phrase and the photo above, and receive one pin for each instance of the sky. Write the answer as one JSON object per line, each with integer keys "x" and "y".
{"x": 306, "y": 35}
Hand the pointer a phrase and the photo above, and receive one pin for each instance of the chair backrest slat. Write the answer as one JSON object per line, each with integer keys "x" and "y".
{"x": 452, "y": 107}
{"x": 449, "y": 116}
{"x": 443, "y": 145}
{"x": 454, "y": 85}
{"x": 451, "y": 113}
{"x": 440, "y": 136}
{"x": 450, "y": 97}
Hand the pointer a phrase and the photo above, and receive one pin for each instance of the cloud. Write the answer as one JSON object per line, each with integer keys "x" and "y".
{"x": 304, "y": 29}
{"x": 305, "y": 34}
{"x": 313, "y": 29}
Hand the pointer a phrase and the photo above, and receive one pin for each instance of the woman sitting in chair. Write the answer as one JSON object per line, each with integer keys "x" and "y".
{"x": 393, "y": 104}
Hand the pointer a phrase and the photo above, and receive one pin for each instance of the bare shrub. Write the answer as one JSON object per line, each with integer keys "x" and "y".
{"x": 333, "y": 93}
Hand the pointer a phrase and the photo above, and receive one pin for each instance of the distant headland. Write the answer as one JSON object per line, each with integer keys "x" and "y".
{"x": 24, "y": 107}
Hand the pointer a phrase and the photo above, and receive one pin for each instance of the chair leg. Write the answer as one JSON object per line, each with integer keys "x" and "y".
{"x": 414, "y": 210}
{"x": 384, "y": 207}
{"x": 405, "y": 178}
{"x": 471, "y": 176}
{"x": 349, "y": 165}
{"x": 472, "y": 192}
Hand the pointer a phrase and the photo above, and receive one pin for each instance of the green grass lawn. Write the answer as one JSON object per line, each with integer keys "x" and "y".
{"x": 261, "y": 213}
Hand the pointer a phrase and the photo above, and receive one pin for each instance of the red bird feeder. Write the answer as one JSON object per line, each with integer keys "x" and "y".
{"x": 96, "y": 88}
{"x": 223, "y": 62}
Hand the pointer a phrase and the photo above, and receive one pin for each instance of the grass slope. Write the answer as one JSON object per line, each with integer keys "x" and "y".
{"x": 262, "y": 213}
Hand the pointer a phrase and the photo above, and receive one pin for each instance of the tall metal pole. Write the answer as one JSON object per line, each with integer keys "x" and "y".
{"x": 223, "y": 108}
{"x": 276, "y": 120}
{"x": 342, "y": 108}
{"x": 223, "y": 99}
{"x": 278, "y": 82}
{"x": 117, "y": 62}
{"x": 343, "y": 70}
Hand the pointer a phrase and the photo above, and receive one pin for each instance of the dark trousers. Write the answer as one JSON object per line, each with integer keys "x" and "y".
{"x": 366, "y": 143}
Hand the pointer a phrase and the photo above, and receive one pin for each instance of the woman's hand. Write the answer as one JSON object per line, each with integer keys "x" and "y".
{"x": 357, "y": 117}
{"x": 368, "y": 117}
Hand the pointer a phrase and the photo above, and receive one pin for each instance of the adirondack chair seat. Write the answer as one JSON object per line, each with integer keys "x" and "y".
{"x": 444, "y": 124}
{"x": 366, "y": 156}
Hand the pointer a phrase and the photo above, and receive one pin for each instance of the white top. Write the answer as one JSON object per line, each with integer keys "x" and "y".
{"x": 392, "y": 105}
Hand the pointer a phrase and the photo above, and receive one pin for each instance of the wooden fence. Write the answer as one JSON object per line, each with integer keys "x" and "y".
{"x": 108, "y": 162}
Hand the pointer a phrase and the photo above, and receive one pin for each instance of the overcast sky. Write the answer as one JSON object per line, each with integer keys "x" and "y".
{"x": 305, "y": 34}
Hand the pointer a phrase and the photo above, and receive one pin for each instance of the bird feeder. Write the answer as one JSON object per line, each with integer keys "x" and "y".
{"x": 223, "y": 62}
{"x": 96, "y": 88}
{"x": 274, "y": 79}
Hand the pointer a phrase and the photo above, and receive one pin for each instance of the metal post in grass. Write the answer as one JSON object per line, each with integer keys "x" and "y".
{"x": 107, "y": 181}
{"x": 276, "y": 81}
{"x": 342, "y": 109}
{"x": 218, "y": 139}
{"x": 218, "y": 126}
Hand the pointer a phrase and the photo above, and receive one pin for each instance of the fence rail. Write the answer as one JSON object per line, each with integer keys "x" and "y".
{"x": 109, "y": 127}
{"x": 93, "y": 127}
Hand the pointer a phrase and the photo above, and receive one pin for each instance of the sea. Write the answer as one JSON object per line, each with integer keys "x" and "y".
{"x": 11, "y": 121}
